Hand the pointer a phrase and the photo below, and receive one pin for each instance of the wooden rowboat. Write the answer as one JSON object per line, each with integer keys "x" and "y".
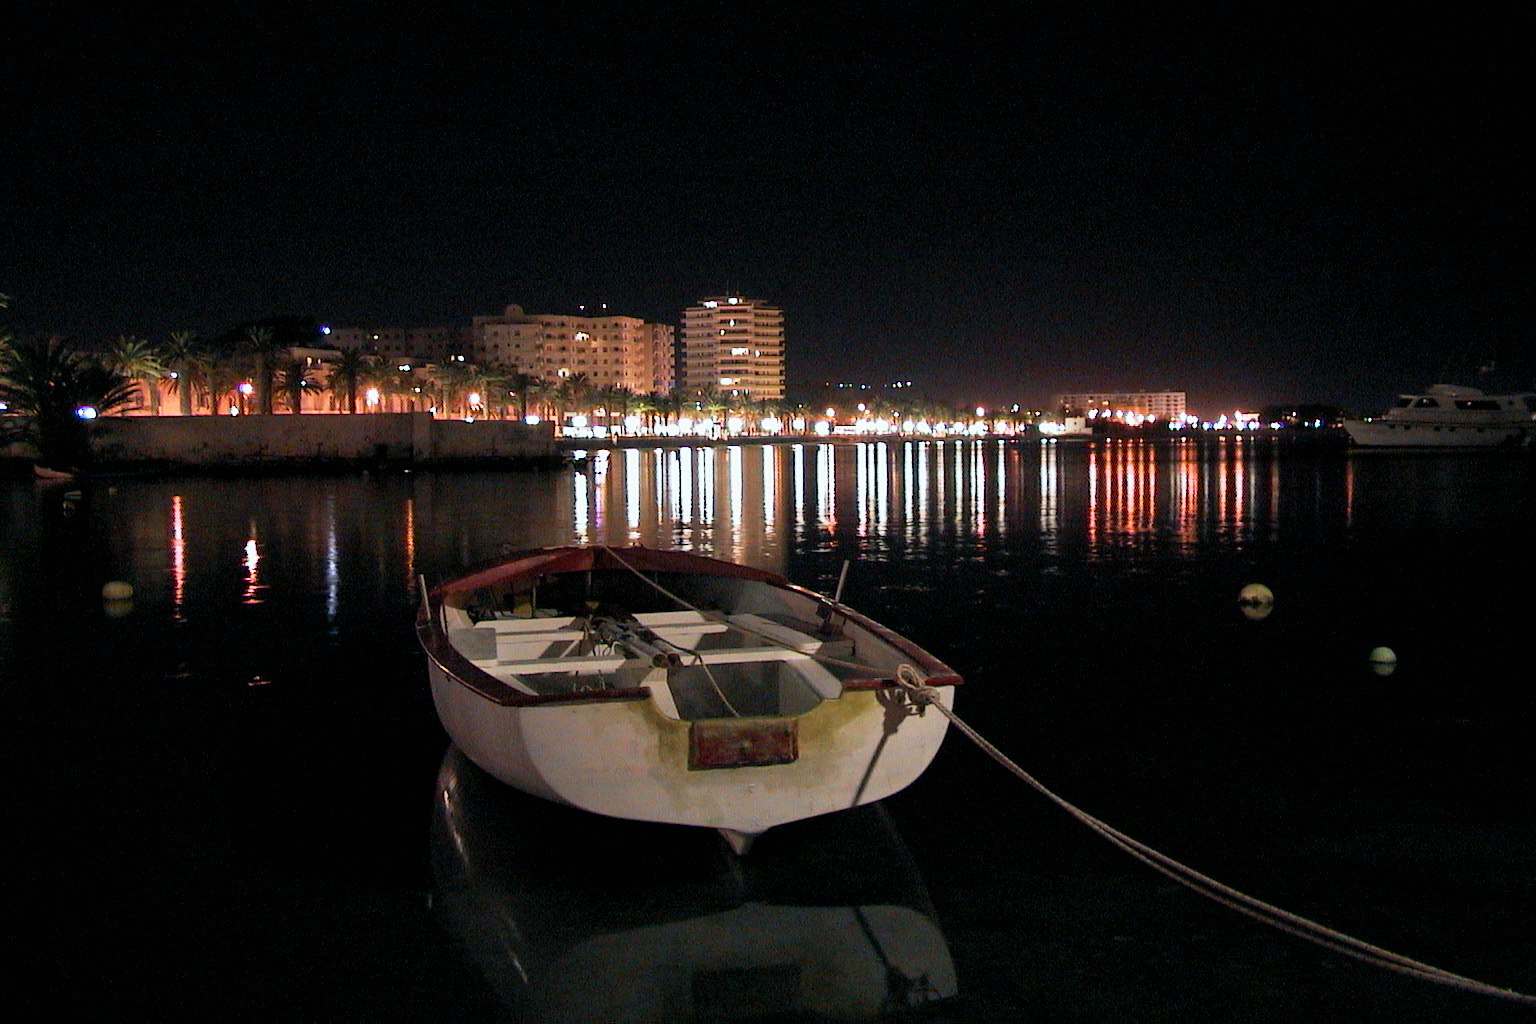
{"x": 666, "y": 686}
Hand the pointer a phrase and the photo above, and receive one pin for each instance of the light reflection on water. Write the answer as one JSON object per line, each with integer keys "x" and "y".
{"x": 1085, "y": 591}
{"x": 1020, "y": 508}
{"x": 722, "y": 501}
{"x": 178, "y": 560}
{"x": 761, "y": 504}
{"x": 252, "y": 563}
{"x": 766, "y": 505}
{"x": 758, "y": 504}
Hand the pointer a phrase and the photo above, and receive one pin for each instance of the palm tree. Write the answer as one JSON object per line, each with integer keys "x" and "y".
{"x": 571, "y": 394}
{"x": 714, "y": 403}
{"x": 453, "y": 380}
{"x": 181, "y": 353}
{"x": 293, "y": 378}
{"x": 219, "y": 367}
{"x": 139, "y": 360}
{"x": 673, "y": 403}
{"x": 601, "y": 399}
{"x": 45, "y": 383}
{"x": 264, "y": 350}
{"x": 477, "y": 382}
{"x": 800, "y": 411}
{"x": 762, "y": 409}
{"x": 396, "y": 383}
{"x": 493, "y": 383}
{"x": 618, "y": 400}
{"x": 646, "y": 406}
{"x": 527, "y": 386}
{"x": 347, "y": 373}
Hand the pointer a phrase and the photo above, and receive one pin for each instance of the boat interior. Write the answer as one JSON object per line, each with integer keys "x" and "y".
{"x": 743, "y": 648}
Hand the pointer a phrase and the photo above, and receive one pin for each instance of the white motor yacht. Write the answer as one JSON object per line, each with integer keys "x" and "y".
{"x": 1449, "y": 416}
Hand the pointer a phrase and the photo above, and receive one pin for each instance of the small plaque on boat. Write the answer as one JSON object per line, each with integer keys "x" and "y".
{"x": 743, "y": 744}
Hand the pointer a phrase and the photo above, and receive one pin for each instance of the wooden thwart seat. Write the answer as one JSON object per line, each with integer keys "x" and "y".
{"x": 513, "y": 648}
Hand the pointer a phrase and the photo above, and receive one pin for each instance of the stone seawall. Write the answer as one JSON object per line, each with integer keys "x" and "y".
{"x": 317, "y": 437}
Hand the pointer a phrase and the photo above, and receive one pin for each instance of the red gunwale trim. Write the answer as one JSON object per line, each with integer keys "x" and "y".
{"x": 886, "y": 684}
{"x": 526, "y": 565}
{"x": 938, "y": 673}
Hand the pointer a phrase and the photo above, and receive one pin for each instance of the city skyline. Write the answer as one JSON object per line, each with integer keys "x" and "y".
{"x": 1253, "y": 207}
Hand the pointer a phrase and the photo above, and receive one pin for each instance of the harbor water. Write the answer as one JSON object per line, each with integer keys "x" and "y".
{"x": 230, "y": 798}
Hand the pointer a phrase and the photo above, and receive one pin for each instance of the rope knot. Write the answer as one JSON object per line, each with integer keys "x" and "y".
{"x": 916, "y": 685}
{"x": 924, "y": 694}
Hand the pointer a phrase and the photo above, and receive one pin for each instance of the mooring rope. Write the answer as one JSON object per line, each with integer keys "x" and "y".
{"x": 698, "y": 658}
{"x": 1305, "y": 928}
{"x": 913, "y": 681}
{"x": 825, "y": 659}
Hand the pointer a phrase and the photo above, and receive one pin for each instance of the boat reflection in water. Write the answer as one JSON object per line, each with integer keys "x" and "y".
{"x": 575, "y": 917}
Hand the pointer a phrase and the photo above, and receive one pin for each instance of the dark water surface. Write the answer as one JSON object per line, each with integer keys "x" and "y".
{"x": 223, "y": 801}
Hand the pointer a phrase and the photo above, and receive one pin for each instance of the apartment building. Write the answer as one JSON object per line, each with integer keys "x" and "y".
{"x": 612, "y": 351}
{"x": 735, "y": 345}
{"x": 1164, "y": 405}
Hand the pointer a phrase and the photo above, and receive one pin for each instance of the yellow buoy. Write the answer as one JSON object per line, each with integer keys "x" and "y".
{"x": 1383, "y": 660}
{"x": 117, "y": 590}
{"x": 1256, "y": 600}
{"x": 1255, "y": 593}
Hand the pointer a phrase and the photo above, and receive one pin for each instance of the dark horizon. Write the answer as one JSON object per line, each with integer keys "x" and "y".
{"x": 1278, "y": 207}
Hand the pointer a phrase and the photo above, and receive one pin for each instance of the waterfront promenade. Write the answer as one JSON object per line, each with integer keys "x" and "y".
{"x": 419, "y": 439}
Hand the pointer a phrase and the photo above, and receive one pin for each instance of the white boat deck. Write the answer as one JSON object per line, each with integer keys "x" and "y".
{"x": 538, "y": 655}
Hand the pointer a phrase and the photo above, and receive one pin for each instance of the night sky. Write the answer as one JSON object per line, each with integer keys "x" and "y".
{"x": 1262, "y": 205}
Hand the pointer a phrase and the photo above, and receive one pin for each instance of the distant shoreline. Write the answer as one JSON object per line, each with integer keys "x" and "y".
{"x": 1310, "y": 437}
{"x": 560, "y": 452}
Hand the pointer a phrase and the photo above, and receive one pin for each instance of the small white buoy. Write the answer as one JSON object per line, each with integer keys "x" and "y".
{"x": 117, "y": 590}
{"x": 1383, "y": 660}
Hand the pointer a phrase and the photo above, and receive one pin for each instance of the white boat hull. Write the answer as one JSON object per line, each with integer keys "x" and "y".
{"x": 1387, "y": 434}
{"x": 625, "y": 759}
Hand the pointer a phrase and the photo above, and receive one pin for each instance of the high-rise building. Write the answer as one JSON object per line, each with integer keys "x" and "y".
{"x": 1164, "y": 405}
{"x": 612, "y": 351}
{"x": 735, "y": 345}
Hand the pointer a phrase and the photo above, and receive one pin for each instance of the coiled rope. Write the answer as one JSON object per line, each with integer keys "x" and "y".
{"x": 1320, "y": 934}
